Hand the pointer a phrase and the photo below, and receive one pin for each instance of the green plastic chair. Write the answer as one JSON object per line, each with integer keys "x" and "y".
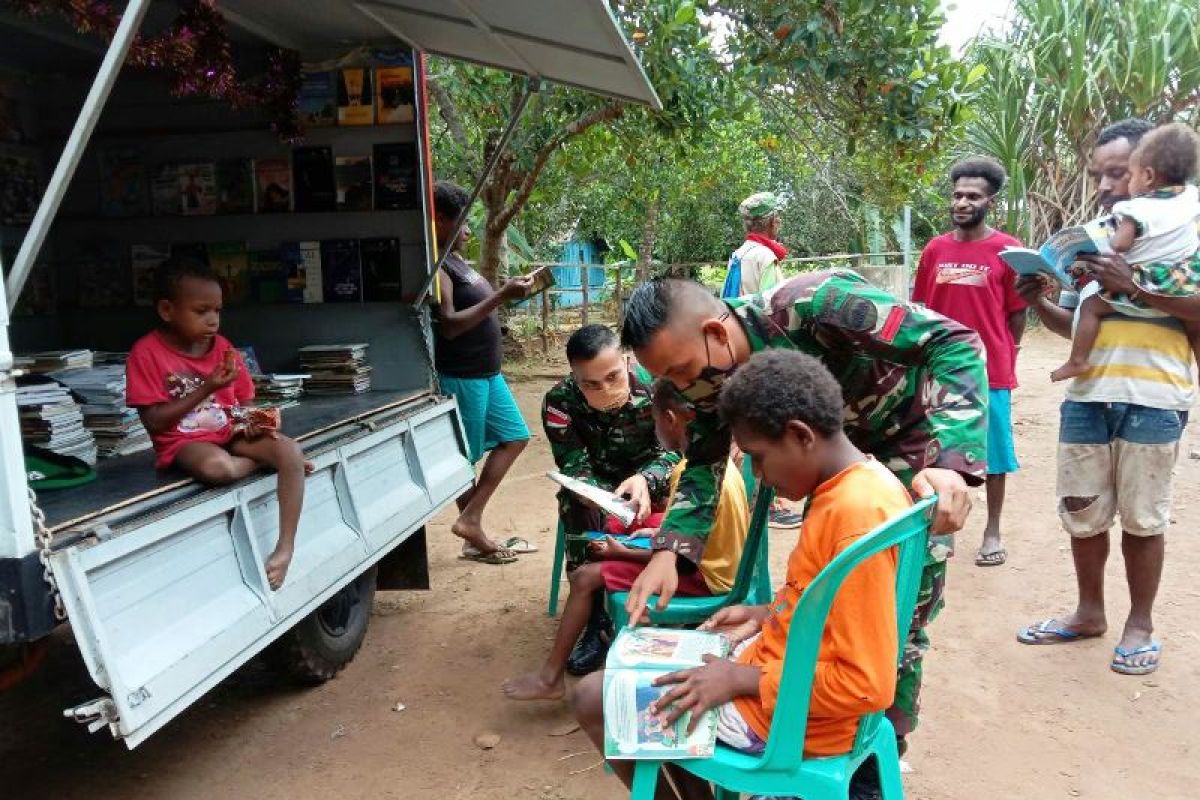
{"x": 781, "y": 769}
{"x": 752, "y": 583}
{"x": 556, "y": 573}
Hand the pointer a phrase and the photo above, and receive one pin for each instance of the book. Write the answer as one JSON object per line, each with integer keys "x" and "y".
{"x": 235, "y": 186}
{"x": 396, "y": 184}
{"x": 629, "y": 540}
{"x": 102, "y": 277}
{"x": 314, "y": 282}
{"x": 22, "y": 188}
{"x": 123, "y": 183}
{"x": 638, "y": 656}
{"x": 336, "y": 368}
{"x": 144, "y": 260}
{"x": 395, "y": 98}
{"x": 1060, "y": 251}
{"x": 355, "y": 99}
{"x": 317, "y": 100}
{"x": 381, "y": 270}
{"x": 198, "y": 189}
{"x": 272, "y": 185}
{"x": 268, "y": 277}
{"x": 606, "y": 501}
{"x": 164, "y": 191}
{"x": 341, "y": 271}
{"x": 353, "y": 177}
{"x": 291, "y": 265}
{"x": 543, "y": 279}
{"x": 312, "y": 179}
{"x": 231, "y": 263}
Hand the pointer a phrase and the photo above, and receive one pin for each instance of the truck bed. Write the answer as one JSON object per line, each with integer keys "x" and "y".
{"x": 126, "y": 480}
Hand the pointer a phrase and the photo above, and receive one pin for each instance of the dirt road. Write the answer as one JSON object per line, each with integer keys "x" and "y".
{"x": 1001, "y": 720}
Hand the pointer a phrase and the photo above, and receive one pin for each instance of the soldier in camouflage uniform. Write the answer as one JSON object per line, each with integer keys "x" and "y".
{"x": 914, "y": 385}
{"x": 599, "y": 424}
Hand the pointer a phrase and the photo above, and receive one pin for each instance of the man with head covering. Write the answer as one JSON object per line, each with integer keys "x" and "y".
{"x": 754, "y": 267}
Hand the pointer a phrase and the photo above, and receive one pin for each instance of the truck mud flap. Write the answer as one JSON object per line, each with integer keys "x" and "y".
{"x": 172, "y": 603}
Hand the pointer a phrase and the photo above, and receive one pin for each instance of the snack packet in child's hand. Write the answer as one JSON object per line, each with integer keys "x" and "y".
{"x": 256, "y": 418}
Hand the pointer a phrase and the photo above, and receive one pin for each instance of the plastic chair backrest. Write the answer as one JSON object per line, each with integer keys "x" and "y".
{"x": 785, "y": 745}
{"x": 756, "y": 536}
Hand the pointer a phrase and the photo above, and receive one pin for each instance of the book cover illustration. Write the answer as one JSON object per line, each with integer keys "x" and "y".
{"x": 164, "y": 191}
{"x": 231, "y": 263}
{"x": 604, "y": 500}
{"x": 312, "y": 179}
{"x": 291, "y": 265}
{"x": 381, "y": 270}
{"x": 268, "y": 277}
{"x": 102, "y": 277}
{"x": 198, "y": 188}
{"x": 353, "y": 175}
{"x": 396, "y": 184}
{"x": 144, "y": 261}
{"x": 20, "y": 188}
{"x": 637, "y": 657}
{"x": 355, "y": 97}
{"x": 341, "y": 271}
{"x": 235, "y": 186}
{"x": 395, "y": 98}
{"x": 1060, "y": 251}
{"x": 314, "y": 281}
{"x": 273, "y": 185}
{"x": 123, "y": 183}
{"x": 317, "y": 101}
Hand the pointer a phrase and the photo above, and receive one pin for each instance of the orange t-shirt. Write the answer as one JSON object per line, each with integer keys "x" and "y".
{"x": 856, "y": 663}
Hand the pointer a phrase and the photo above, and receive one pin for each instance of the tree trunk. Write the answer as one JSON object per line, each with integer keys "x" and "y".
{"x": 493, "y": 256}
{"x": 646, "y": 246}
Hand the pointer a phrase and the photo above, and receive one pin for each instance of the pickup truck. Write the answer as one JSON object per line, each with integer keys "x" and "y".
{"x": 161, "y": 578}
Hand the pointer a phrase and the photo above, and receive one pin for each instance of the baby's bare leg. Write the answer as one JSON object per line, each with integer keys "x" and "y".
{"x": 287, "y": 459}
{"x": 1094, "y": 309}
{"x": 213, "y": 464}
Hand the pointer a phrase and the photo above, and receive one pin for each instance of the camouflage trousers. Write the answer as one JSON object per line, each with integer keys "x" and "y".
{"x": 930, "y": 599}
{"x": 577, "y": 519}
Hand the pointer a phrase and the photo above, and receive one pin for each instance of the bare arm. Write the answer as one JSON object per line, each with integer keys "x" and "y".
{"x": 1115, "y": 275}
{"x": 1125, "y": 234}
{"x": 1016, "y": 326}
{"x": 455, "y": 323}
{"x": 161, "y": 417}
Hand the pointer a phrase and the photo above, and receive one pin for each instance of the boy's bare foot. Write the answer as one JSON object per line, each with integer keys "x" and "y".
{"x": 532, "y": 686}
{"x": 472, "y": 532}
{"x": 1071, "y": 369}
{"x": 308, "y": 467}
{"x": 277, "y": 567}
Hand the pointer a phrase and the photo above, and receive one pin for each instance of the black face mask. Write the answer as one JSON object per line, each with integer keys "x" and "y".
{"x": 704, "y": 390}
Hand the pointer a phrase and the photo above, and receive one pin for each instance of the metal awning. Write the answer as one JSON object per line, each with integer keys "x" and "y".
{"x": 570, "y": 42}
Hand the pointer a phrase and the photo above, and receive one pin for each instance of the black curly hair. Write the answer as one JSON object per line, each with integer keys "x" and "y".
{"x": 589, "y": 342}
{"x": 170, "y": 273}
{"x": 1172, "y": 151}
{"x": 665, "y": 397}
{"x": 1132, "y": 129}
{"x": 449, "y": 199}
{"x": 776, "y": 387}
{"x": 987, "y": 168}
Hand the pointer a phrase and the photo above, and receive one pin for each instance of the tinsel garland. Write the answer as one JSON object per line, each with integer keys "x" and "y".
{"x": 196, "y": 56}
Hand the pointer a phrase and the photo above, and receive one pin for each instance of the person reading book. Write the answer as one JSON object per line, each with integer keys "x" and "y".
{"x": 618, "y": 564}
{"x": 189, "y": 384}
{"x": 1156, "y": 232}
{"x": 786, "y": 414}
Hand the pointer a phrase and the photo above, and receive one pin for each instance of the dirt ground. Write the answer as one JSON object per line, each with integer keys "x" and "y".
{"x": 1000, "y": 719}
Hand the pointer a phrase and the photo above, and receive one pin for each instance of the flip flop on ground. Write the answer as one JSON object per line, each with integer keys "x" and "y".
{"x": 498, "y": 556}
{"x": 1051, "y": 631}
{"x": 992, "y": 559}
{"x": 1121, "y": 657}
{"x": 518, "y": 545}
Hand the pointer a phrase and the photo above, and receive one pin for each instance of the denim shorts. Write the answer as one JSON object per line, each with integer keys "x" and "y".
{"x": 1101, "y": 423}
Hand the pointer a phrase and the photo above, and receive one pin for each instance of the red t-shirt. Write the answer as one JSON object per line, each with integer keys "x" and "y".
{"x": 969, "y": 283}
{"x": 157, "y": 373}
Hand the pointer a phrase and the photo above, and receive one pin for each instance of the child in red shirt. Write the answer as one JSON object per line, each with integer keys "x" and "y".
{"x": 185, "y": 378}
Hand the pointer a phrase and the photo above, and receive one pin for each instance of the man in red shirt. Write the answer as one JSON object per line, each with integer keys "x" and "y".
{"x": 962, "y": 276}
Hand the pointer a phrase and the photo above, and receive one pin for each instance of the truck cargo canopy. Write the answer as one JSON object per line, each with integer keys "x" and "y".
{"x": 571, "y": 42}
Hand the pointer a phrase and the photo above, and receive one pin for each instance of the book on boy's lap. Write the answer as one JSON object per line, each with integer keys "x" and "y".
{"x": 232, "y": 266}
{"x": 317, "y": 100}
{"x": 341, "y": 271}
{"x": 272, "y": 185}
{"x": 235, "y": 186}
{"x": 396, "y": 185}
{"x": 381, "y": 270}
{"x": 355, "y": 97}
{"x": 312, "y": 179}
{"x": 1060, "y": 251}
{"x": 353, "y": 176}
{"x": 635, "y": 659}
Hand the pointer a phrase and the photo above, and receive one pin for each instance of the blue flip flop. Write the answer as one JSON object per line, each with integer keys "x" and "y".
{"x": 1125, "y": 669}
{"x": 1048, "y": 631}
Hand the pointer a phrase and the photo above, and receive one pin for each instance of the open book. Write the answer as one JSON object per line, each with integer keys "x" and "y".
{"x": 638, "y": 656}
{"x": 1061, "y": 251}
{"x": 607, "y": 502}
{"x": 543, "y": 279}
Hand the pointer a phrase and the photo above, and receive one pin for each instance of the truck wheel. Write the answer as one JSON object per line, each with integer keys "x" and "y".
{"x": 326, "y": 640}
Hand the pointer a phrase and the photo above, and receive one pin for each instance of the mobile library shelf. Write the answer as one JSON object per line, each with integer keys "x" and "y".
{"x": 161, "y": 578}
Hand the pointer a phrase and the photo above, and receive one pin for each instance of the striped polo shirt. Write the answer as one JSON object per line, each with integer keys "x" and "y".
{"x": 1146, "y": 361}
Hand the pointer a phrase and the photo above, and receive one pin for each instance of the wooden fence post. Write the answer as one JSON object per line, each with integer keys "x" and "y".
{"x": 583, "y": 284}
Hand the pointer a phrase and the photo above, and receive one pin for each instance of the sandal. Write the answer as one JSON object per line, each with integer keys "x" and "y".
{"x": 1121, "y": 655}
{"x": 498, "y": 556}
{"x": 1051, "y": 631}
{"x": 519, "y": 545}
{"x": 992, "y": 559}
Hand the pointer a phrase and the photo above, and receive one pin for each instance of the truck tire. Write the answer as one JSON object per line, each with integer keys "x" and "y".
{"x": 326, "y": 640}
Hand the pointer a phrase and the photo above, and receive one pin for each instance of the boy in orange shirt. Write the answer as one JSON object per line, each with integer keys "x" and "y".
{"x": 785, "y": 410}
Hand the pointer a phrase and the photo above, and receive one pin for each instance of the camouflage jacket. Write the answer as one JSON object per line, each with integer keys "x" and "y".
{"x": 914, "y": 384}
{"x": 606, "y": 447}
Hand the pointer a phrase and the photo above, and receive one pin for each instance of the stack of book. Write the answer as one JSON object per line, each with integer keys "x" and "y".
{"x": 277, "y": 390}
{"x": 116, "y": 428}
{"x": 336, "y": 368}
{"x": 51, "y": 419}
{"x": 53, "y": 361}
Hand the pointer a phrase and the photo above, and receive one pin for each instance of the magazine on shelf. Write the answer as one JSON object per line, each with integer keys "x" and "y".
{"x": 353, "y": 176}
{"x": 355, "y": 97}
{"x": 272, "y": 185}
{"x": 1060, "y": 251}
{"x": 606, "y": 501}
{"x": 231, "y": 263}
{"x": 317, "y": 100}
{"x": 312, "y": 179}
{"x": 395, "y": 97}
{"x": 381, "y": 270}
{"x": 198, "y": 188}
{"x": 235, "y": 186}
{"x": 123, "y": 183}
{"x": 636, "y": 658}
